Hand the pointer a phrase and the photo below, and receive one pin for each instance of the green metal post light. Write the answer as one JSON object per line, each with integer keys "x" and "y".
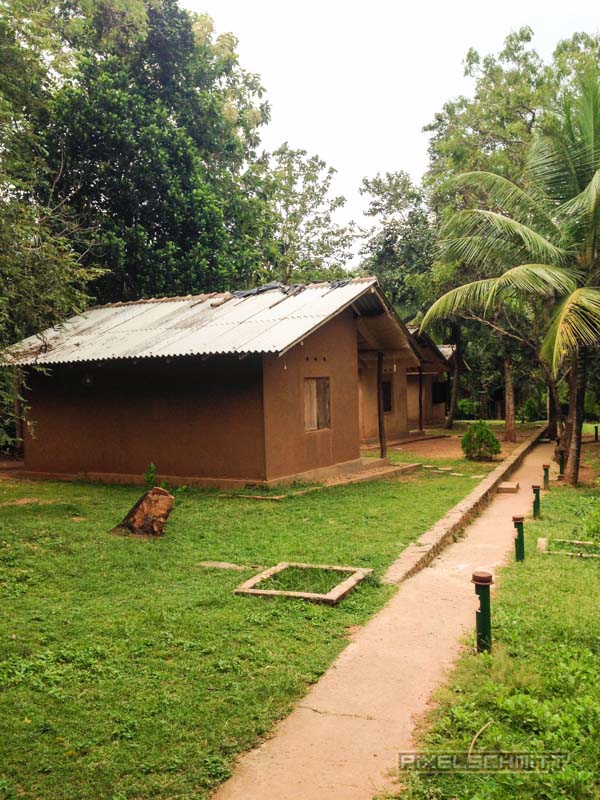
{"x": 483, "y": 615}
{"x": 536, "y": 501}
{"x": 546, "y": 476}
{"x": 518, "y": 522}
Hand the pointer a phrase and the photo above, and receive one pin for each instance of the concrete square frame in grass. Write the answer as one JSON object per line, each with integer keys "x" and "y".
{"x": 333, "y": 596}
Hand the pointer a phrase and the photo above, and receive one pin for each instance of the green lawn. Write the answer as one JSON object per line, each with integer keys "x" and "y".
{"x": 406, "y": 455}
{"x": 128, "y": 671}
{"x": 299, "y": 579}
{"x": 590, "y": 456}
{"x": 540, "y": 688}
{"x": 459, "y": 464}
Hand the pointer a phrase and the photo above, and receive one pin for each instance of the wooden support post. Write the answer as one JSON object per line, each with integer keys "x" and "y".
{"x": 420, "y": 398}
{"x": 380, "y": 411}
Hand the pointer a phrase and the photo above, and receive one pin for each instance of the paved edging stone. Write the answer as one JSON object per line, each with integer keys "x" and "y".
{"x": 422, "y": 552}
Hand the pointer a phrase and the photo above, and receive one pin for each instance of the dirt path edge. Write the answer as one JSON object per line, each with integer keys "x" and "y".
{"x": 419, "y": 554}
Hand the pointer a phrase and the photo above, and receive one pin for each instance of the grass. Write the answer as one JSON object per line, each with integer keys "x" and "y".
{"x": 588, "y": 427}
{"x": 285, "y": 490}
{"x": 460, "y": 426}
{"x": 299, "y": 579}
{"x": 590, "y": 456}
{"x": 540, "y": 687}
{"x": 128, "y": 671}
{"x": 457, "y": 464}
{"x": 460, "y": 464}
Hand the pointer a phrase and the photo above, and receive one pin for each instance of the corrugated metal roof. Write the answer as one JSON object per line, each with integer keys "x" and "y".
{"x": 269, "y": 320}
{"x": 426, "y": 343}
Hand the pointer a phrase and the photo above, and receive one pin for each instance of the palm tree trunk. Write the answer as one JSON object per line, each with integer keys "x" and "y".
{"x": 554, "y": 413}
{"x": 564, "y": 442}
{"x": 574, "y": 457}
{"x": 455, "y": 379}
{"x": 510, "y": 431}
{"x": 555, "y": 416}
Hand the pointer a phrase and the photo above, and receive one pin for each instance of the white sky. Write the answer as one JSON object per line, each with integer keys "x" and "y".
{"x": 356, "y": 82}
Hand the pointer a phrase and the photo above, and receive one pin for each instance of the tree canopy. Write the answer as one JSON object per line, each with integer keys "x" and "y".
{"x": 542, "y": 240}
{"x": 309, "y": 241}
{"x": 400, "y": 249}
{"x": 150, "y": 146}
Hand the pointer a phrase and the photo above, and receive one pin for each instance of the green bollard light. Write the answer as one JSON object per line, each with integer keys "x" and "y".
{"x": 595, "y": 433}
{"x": 519, "y": 538}
{"x": 483, "y": 617}
{"x": 536, "y": 501}
{"x": 546, "y": 476}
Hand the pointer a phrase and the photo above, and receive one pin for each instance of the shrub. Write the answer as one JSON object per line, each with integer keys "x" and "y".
{"x": 151, "y": 481}
{"x": 592, "y": 406}
{"x": 467, "y": 408}
{"x": 479, "y": 442}
{"x": 532, "y": 410}
{"x": 150, "y": 476}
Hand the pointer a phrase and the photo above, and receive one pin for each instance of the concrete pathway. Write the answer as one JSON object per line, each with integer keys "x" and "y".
{"x": 342, "y": 740}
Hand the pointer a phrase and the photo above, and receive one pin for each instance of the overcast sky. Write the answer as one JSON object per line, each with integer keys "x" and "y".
{"x": 356, "y": 82}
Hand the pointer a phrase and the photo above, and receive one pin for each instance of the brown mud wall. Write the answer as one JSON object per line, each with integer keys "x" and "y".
{"x": 330, "y": 352}
{"x": 188, "y": 417}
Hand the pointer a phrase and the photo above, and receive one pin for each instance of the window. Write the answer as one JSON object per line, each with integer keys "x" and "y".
{"x": 386, "y": 391}
{"x": 316, "y": 404}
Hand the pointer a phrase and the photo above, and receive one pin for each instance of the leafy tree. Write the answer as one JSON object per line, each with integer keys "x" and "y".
{"x": 154, "y": 147}
{"x": 102, "y": 24}
{"x": 550, "y": 235}
{"x": 493, "y": 131}
{"x": 309, "y": 243}
{"x": 401, "y": 247}
{"x": 41, "y": 278}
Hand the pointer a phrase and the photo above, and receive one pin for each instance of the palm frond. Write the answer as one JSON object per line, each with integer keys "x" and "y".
{"x": 551, "y": 167}
{"x": 507, "y": 196}
{"x": 586, "y": 202}
{"x": 586, "y": 125}
{"x": 488, "y": 229}
{"x": 564, "y": 160}
{"x": 481, "y": 296}
{"x": 538, "y": 279}
{"x": 576, "y": 324}
{"x": 487, "y": 251}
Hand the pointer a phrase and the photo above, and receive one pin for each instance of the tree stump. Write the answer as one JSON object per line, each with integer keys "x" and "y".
{"x": 149, "y": 515}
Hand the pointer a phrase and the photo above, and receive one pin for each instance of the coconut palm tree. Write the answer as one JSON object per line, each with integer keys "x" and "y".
{"x": 541, "y": 241}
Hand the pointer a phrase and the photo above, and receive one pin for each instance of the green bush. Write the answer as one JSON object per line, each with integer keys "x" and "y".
{"x": 150, "y": 476}
{"x": 479, "y": 442}
{"x": 592, "y": 406}
{"x": 467, "y": 408}
{"x": 532, "y": 410}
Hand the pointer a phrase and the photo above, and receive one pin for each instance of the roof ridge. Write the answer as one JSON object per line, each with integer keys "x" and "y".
{"x": 209, "y": 295}
{"x": 147, "y": 300}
